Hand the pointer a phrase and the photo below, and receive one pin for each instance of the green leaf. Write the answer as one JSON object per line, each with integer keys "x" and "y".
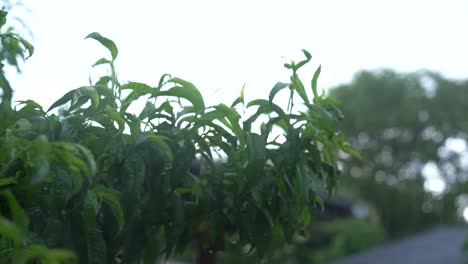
{"x": 319, "y": 201}
{"x": 28, "y": 46}
{"x": 234, "y": 118}
{"x": 278, "y": 87}
{"x": 61, "y": 256}
{"x": 323, "y": 117}
{"x": 104, "y": 81}
{"x": 256, "y": 149}
{"x": 18, "y": 214}
{"x": 305, "y": 217}
{"x": 163, "y": 146}
{"x": 78, "y": 97}
{"x": 147, "y": 111}
{"x": 213, "y": 115}
{"x": 162, "y": 80}
{"x": 298, "y": 86}
{"x": 240, "y": 99}
{"x": 63, "y": 100}
{"x": 101, "y": 61}
{"x": 293, "y": 148}
{"x": 8, "y": 181}
{"x": 153, "y": 244}
{"x": 15, "y": 37}
{"x": 346, "y": 147}
{"x": 3, "y": 17}
{"x": 134, "y": 125}
{"x": 217, "y": 129}
{"x": 178, "y": 211}
{"x": 87, "y": 92}
{"x": 77, "y": 160}
{"x": 23, "y": 125}
{"x": 10, "y": 230}
{"x": 44, "y": 255}
{"x": 62, "y": 186}
{"x": 111, "y": 198}
{"x": 115, "y": 116}
{"x": 302, "y": 63}
{"x": 76, "y": 177}
{"x": 30, "y": 104}
{"x": 138, "y": 90}
{"x": 89, "y": 157}
{"x": 96, "y": 247}
{"x": 187, "y": 91}
{"x": 39, "y": 159}
{"x": 266, "y": 107}
{"x": 314, "y": 83}
{"x": 109, "y": 44}
{"x": 307, "y": 54}
{"x": 135, "y": 171}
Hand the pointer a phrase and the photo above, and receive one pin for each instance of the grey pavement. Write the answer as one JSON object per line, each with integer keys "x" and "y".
{"x": 439, "y": 246}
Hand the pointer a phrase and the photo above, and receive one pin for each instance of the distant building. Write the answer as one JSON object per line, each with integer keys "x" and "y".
{"x": 335, "y": 207}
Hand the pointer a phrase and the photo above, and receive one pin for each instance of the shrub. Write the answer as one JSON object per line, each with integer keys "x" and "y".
{"x": 112, "y": 186}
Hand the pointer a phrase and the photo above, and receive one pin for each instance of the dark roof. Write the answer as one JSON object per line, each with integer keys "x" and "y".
{"x": 337, "y": 201}
{"x": 439, "y": 246}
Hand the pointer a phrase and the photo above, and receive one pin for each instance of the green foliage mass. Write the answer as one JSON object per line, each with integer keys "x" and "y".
{"x": 400, "y": 123}
{"x": 110, "y": 186}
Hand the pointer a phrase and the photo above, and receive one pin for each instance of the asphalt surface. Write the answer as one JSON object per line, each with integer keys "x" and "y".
{"x": 439, "y": 246}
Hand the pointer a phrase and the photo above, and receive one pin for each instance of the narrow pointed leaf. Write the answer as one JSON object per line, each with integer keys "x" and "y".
{"x": 314, "y": 82}
{"x": 278, "y": 87}
{"x": 303, "y": 62}
{"x": 234, "y": 118}
{"x": 109, "y": 44}
{"x": 307, "y": 54}
{"x": 115, "y": 116}
{"x": 63, "y": 100}
{"x": 298, "y": 86}
{"x": 95, "y": 244}
{"x": 148, "y": 111}
{"x": 17, "y": 212}
{"x": 187, "y": 91}
{"x": 240, "y": 99}
{"x": 10, "y": 230}
{"x": 101, "y": 61}
{"x": 111, "y": 198}
{"x": 7, "y": 181}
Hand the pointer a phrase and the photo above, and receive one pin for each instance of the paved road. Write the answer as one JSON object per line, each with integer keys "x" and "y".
{"x": 440, "y": 246}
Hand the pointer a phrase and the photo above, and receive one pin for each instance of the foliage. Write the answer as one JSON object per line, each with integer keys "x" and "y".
{"x": 112, "y": 186}
{"x": 17, "y": 243}
{"x": 400, "y": 123}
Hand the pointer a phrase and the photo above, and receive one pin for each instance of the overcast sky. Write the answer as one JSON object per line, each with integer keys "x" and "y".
{"x": 220, "y": 45}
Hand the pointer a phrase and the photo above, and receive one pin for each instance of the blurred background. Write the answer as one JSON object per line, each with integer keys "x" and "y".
{"x": 397, "y": 67}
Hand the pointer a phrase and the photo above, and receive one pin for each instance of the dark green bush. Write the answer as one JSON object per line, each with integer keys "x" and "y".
{"x": 112, "y": 186}
{"x": 345, "y": 237}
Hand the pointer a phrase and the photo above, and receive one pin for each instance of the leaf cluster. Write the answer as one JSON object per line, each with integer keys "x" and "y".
{"x": 114, "y": 186}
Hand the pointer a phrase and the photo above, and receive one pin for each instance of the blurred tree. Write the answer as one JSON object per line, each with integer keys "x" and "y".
{"x": 411, "y": 131}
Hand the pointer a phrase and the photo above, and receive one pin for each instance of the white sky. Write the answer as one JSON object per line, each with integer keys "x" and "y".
{"x": 220, "y": 45}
